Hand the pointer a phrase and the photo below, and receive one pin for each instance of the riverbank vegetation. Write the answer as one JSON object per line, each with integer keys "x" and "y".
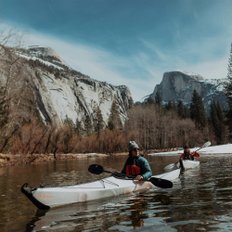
{"x": 152, "y": 125}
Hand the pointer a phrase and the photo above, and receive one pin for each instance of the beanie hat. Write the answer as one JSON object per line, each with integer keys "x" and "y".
{"x": 132, "y": 145}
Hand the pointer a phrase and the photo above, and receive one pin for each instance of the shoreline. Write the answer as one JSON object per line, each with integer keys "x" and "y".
{"x": 7, "y": 160}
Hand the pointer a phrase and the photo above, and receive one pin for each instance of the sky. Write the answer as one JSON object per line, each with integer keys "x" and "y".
{"x": 127, "y": 42}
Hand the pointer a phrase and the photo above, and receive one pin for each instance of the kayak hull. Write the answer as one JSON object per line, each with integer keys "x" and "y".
{"x": 171, "y": 175}
{"x": 187, "y": 164}
{"x": 47, "y": 197}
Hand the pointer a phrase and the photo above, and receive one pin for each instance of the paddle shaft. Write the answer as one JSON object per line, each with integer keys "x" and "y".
{"x": 162, "y": 183}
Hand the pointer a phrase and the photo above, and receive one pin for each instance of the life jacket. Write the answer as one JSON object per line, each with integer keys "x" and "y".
{"x": 186, "y": 156}
{"x": 133, "y": 170}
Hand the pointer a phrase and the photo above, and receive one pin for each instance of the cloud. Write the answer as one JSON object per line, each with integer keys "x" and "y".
{"x": 95, "y": 62}
{"x": 143, "y": 69}
{"x": 213, "y": 69}
{"x": 98, "y": 64}
{"x": 208, "y": 58}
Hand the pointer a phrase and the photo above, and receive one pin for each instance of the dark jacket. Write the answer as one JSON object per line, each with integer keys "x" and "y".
{"x": 141, "y": 162}
{"x": 187, "y": 156}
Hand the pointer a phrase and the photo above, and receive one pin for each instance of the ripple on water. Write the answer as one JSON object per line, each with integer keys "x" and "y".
{"x": 201, "y": 200}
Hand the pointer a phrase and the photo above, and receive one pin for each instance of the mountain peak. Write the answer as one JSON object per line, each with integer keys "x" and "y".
{"x": 183, "y": 74}
{"x": 42, "y": 52}
{"x": 179, "y": 86}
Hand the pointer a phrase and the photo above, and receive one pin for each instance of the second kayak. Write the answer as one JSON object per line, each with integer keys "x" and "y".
{"x": 187, "y": 164}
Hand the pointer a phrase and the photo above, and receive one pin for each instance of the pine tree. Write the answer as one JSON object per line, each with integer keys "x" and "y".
{"x": 182, "y": 110}
{"x": 158, "y": 98}
{"x": 197, "y": 111}
{"x": 217, "y": 120}
{"x": 170, "y": 106}
{"x": 88, "y": 125}
{"x": 228, "y": 92}
{"x": 114, "y": 121}
{"x": 98, "y": 122}
{"x": 78, "y": 129}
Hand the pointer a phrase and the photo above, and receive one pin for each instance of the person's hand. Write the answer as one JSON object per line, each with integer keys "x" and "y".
{"x": 139, "y": 177}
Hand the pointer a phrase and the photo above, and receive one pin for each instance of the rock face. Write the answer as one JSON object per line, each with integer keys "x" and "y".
{"x": 56, "y": 92}
{"x": 178, "y": 86}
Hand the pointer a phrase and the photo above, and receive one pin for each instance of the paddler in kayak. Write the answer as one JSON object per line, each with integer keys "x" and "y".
{"x": 188, "y": 155}
{"x": 136, "y": 165}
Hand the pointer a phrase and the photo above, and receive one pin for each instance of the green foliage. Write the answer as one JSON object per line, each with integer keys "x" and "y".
{"x": 158, "y": 98}
{"x": 88, "y": 125}
{"x": 197, "y": 111}
{"x": 114, "y": 121}
{"x": 148, "y": 101}
{"x": 228, "y": 92}
{"x": 182, "y": 110}
{"x": 170, "y": 106}
{"x": 217, "y": 120}
{"x": 98, "y": 122}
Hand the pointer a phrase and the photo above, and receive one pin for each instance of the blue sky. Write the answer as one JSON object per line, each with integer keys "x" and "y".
{"x": 131, "y": 42}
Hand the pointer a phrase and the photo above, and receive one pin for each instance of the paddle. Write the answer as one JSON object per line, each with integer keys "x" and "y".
{"x": 98, "y": 169}
{"x": 173, "y": 165}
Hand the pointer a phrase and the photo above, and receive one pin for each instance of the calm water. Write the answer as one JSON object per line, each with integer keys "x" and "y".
{"x": 201, "y": 200}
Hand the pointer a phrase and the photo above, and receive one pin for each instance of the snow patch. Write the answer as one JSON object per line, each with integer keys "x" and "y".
{"x": 219, "y": 149}
{"x": 40, "y": 60}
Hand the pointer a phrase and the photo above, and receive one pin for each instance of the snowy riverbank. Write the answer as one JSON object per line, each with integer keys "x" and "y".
{"x": 225, "y": 149}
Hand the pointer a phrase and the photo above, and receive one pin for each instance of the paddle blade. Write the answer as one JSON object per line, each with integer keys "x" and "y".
{"x": 170, "y": 167}
{"x": 161, "y": 183}
{"x": 96, "y": 169}
{"x": 207, "y": 144}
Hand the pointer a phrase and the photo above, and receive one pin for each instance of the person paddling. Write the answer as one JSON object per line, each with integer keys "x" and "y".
{"x": 136, "y": 165}
{"x": 187, "y": 154}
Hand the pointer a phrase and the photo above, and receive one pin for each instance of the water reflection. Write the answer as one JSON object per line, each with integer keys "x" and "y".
{"x": 99, "y": 216}
{"x": 199, "y": 201}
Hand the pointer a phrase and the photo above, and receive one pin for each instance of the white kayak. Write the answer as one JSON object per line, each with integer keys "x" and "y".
{"x": 187, "y": 164}
{"x": 48, "y": 197}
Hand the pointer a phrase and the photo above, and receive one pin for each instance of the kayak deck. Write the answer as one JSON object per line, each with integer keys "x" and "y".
{"x": 169, "y": 175}
{"x": 189, "y": 164}
{"x": 104, "y": 188}
{"x": 47, "y": 197}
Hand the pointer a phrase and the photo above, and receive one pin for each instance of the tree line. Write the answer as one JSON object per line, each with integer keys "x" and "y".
{"x": 153, "y": 126}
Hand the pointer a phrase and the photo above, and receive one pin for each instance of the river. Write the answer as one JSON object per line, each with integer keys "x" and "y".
{"x": 200, "y": 200}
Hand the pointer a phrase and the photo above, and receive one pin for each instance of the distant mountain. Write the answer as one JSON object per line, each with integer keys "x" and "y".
{"x": 41, "y": 84}
{"x": 179, "y": 86}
